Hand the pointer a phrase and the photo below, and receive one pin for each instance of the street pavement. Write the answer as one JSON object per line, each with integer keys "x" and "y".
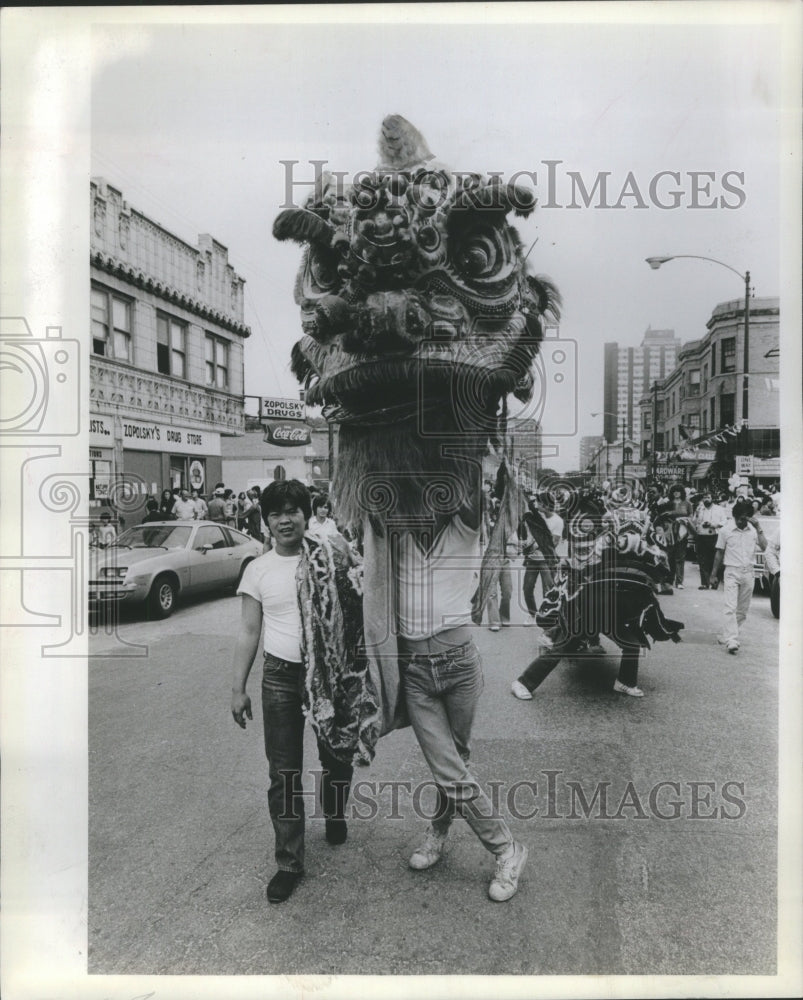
{"x": 180, "y": 843}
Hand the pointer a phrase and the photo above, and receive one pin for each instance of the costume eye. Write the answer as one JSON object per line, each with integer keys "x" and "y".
{"x": 480, "y": 253}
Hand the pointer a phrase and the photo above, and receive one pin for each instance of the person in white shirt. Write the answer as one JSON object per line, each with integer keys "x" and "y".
{"x": 708, "y": 519}
{"x": 273, "y": 610}
{"x": 320, "y": 524}
{"x": 201, "y": 510}
{"x": 185, "y": 508}
{"x": 736, "y": 551}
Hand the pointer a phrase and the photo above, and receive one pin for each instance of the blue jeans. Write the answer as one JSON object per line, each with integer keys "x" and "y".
{"x": 283, "y": 725}
{"x": 442, "y": 691}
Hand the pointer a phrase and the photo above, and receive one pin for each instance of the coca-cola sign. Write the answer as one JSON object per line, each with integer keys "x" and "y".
{"x": 288, "y": 435}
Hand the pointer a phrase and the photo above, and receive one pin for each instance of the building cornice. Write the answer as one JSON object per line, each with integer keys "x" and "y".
{"x": 134, "y": 276}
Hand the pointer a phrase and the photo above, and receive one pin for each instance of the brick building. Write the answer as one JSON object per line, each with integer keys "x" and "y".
{"x": 692, "y": 419}
{"x": 166, "y": 365}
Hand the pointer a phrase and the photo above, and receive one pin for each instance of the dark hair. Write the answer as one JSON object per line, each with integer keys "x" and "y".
{"x": 742, "y": 508}
{"x": 105, "y": 514}
{"x": 677, "y": 488}
{"x": 152, "y": 504}
{"x": 285, "y": 491}
{"x": 322, "y": 500}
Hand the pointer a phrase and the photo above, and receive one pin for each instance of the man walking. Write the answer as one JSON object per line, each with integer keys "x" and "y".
{"x": 537, "y": 562}
{"x": 708, "y": 519}
{"x": 736, "y": 551}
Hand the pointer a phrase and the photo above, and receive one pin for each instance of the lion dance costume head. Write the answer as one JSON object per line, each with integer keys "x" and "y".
{"x": 419, "y": 317}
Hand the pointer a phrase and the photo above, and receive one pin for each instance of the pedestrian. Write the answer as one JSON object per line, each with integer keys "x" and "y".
{"x": 677, "y": 515}
{"x": 539, "y": 559}
{"x": 708, "y": 519}
{"x": 217, "y": 508}
{"x": 166, "y": 506}
{"x": 154, "y": 514}
{"x": 254, "y": 517}
{"x": 230, "y": 508}
{"x": 201, "y": 510}
{"x": 736, "y": 546}
{"x": 106, "y": 533}
{"x": 321, "y": 525}
{"x": 243, "y": 507}
{"x": 184, "y": 508}
{"x": 283, "y": 594}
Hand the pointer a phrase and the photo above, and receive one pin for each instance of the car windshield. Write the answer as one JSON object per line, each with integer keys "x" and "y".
{"x": 147, "y": 536}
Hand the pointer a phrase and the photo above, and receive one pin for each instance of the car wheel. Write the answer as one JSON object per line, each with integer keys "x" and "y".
{"x": 775, "y": 596}
{"x": 162, "y": 598}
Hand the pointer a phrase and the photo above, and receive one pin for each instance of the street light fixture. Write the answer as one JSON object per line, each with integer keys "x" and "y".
{"x": 607, "y": 413}
{"x": 655, "y": 263}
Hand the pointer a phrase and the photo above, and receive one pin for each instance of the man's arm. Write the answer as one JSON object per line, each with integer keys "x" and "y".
{"x": 244, "y": 653}
{"x": 713, "y": 576}
{"x": 762, "y": 540}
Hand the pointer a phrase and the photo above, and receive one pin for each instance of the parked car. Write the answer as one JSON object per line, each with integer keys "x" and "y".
{"x": 154, "y": 563}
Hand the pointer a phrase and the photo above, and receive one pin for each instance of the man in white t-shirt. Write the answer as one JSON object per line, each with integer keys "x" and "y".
{"x": 736, "y": 551}
{"x": 184, "y": 508}
{"x": 271, "y": 609}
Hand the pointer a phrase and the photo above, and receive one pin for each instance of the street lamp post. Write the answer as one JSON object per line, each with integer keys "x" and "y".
{"x": 655, "y": 263}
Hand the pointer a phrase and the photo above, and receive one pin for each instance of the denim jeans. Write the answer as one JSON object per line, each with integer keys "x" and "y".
{"x": 442, "y": 691}
{"x": 542, "y": 666}
{"x": 498, "y": 607}
{"x": 532, "y": 569}
{"x": 283, "y": 724}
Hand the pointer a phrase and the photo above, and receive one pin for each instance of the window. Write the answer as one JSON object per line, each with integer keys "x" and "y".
{"x": 713, "y": 360}
{"x": 210, "y": 535}
{"x": 659, "y": 440}
{"x": 727, "y": 408}
{"x": 171, "y": 346}
{"x": 646, "y": 422}
{"x": 728, "y": 354}
{"x": 694, "y": 382}
{"x": 659, "y": 414}
{"x": 713, "y": 420}
{"x": 628, "y": 455}
{"x": 693, "y": 421}
{"x": 705, "y": 377}
{"x": 111, "y": 324}
{"x": 217, "y": 362}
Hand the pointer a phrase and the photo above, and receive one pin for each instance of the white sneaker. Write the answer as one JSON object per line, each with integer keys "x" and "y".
{"x": 634, "y": 692}
{"x": 494, "y": 628}
{"x": 678, "y": 586}
{"x": 508, "y": 869}
{"x": 520, "y": 691}
{"x": 429, "y": 853}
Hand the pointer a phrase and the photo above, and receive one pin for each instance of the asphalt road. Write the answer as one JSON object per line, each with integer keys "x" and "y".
{"x": 657, "y": 879}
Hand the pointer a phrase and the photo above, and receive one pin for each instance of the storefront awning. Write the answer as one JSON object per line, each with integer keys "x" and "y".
{"x": 701, "y": 470}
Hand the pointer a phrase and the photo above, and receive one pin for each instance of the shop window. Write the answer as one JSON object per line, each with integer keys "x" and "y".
{"x": 217, "y": 362}
{"x": 728, "y": 354}
{"x": 178, "y": 472}
{"x": 111, "y": 324}
{"x": 171, "y": 346}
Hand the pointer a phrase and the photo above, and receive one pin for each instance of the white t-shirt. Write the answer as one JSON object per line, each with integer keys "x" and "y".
{"x": 184, "y": 510}
{"x": 435, "y": 591}
{"x": 738, "y": 544}
{"x": 322, "y": 529}
{"x": 271, "y": 580}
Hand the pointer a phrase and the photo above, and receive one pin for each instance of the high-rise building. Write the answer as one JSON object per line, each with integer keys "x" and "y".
{"x": 589, "y": 444}
{"x": 629, "y": 372}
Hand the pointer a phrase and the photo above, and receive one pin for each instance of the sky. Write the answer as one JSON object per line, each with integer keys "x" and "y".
{"x": 192, "y": 123}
